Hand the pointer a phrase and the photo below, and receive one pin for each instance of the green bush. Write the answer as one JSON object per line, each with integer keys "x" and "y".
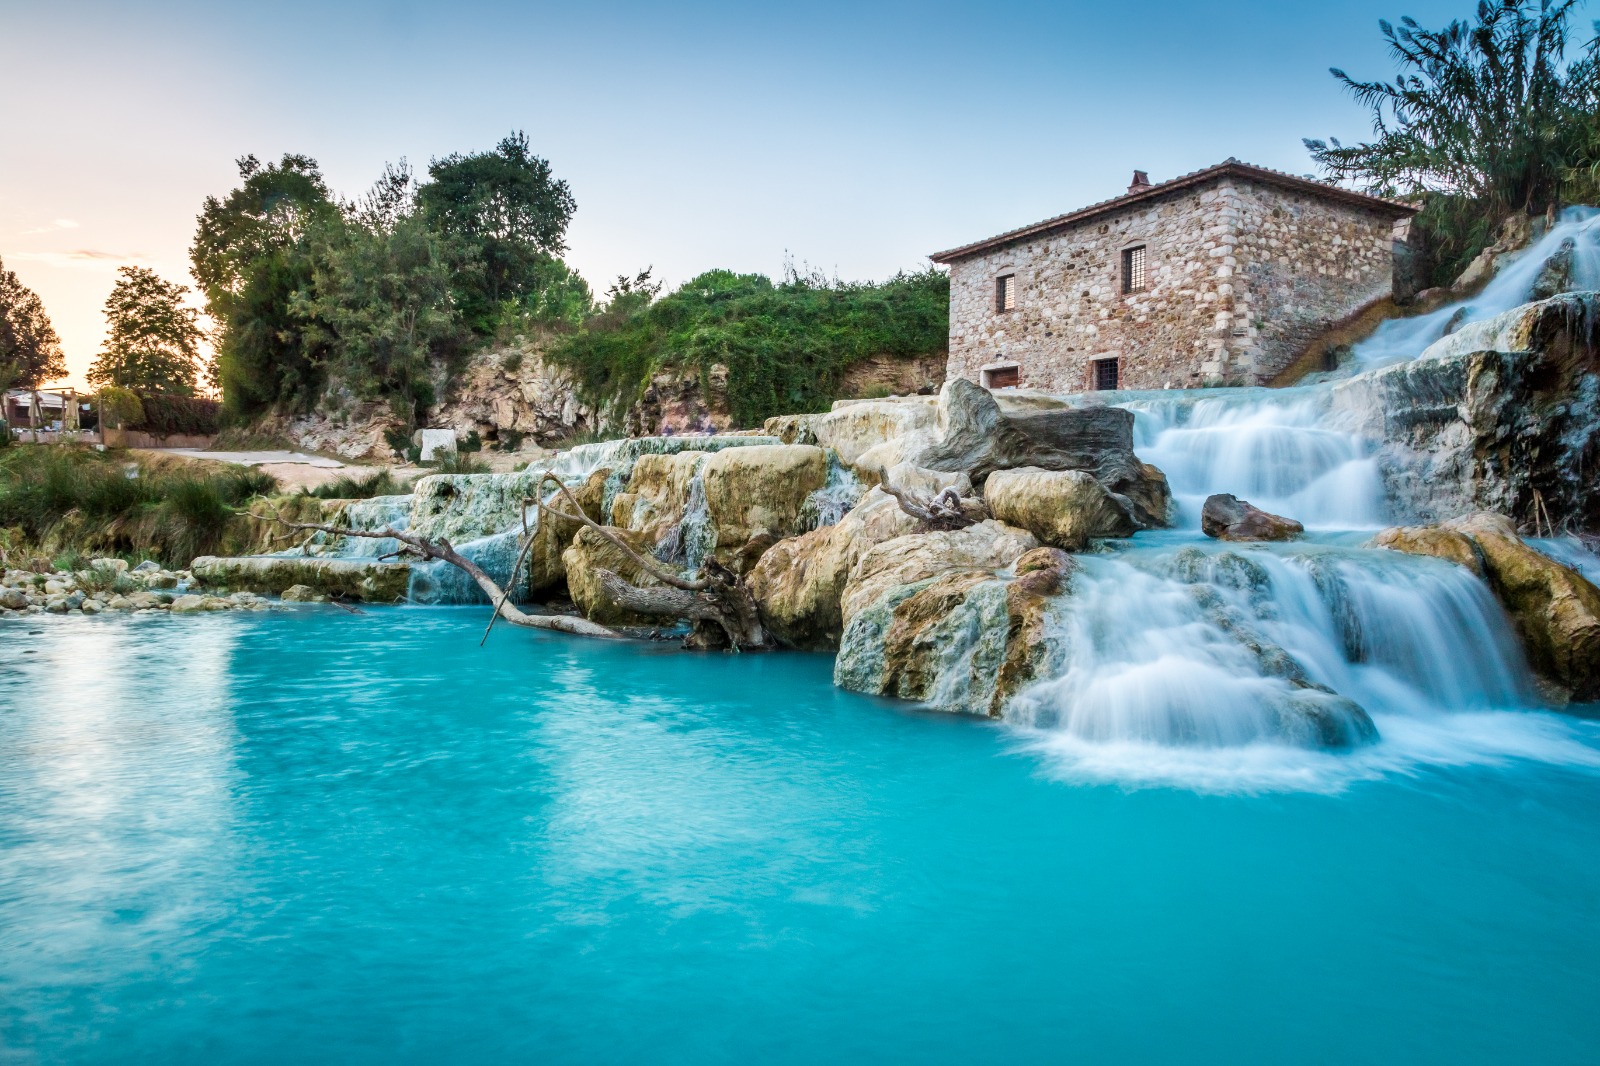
{"x": 786, "y": 347}
{"x": 458, "y": 463}
{"x": 381, "y": 483}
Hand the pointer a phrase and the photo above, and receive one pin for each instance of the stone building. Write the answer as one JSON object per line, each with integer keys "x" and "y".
{"x": 1223, "y": 276}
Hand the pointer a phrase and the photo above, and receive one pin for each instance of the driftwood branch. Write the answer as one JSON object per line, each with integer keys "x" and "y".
{"x": 443, "y": 551}
{"x": 943, "y": 512}
{"x": 717, "y": 596}
{"x": 650, "y": 565}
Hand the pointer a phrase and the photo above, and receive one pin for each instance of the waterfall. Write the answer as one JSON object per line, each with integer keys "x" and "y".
{"x": 693, "y": 536}
{"x": 1177, "y": 659}
{"x": 1269, "y": 446}
{"x": 1405, "y": 338}
{"x": 1227, "y": 648}
{"x": 842, "y": 491}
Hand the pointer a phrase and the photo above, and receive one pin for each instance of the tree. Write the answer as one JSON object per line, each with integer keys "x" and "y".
{"x": 30, "y": 351}
{"x": 1484, "y": 119}
{"x": 251, "y": 257}
{"x": 383, "y": 296}
{"x": 505, "y": 214}
{"x": 154, "y": 343}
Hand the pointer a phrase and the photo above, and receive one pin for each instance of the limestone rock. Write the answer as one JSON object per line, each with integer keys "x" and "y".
{"x": 356, "y": 579}
{"x": 188, "y": 604}
{"x": 13, "y": 599}
{"x": 91, "y": 607}
{"x": 799, "y": 582}
{"x": 301, "y": 594}
{"x": 887, "y": 429}
{"x": 1556, "y": 274}
{"x": 1437, "y": 541}
{"x": 657, "y": 493}
{"x": 1063, "y": 508}
{"x": 757, "y": 495}
{"x": 906, "y": 560}
{"x": 979, "y": 438}
{"x": 1555, "y": 609}
{"x": 1502, "y": 416}
{"x": 553, "y": 536}
{"x": 1227, "y": 517}
{"x": 965, "y": 640}
{"x": 589, "y": 554}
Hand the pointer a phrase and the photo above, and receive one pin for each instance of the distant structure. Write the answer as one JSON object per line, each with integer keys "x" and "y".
{"x": 1223, "y": 276}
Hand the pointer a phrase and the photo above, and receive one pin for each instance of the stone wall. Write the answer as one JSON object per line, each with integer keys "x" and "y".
{"x": 1240, "y": 276}
{"x": 1304, "y": 265}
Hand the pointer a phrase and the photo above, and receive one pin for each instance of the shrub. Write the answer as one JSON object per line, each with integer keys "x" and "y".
{"x": 459, "y": 463}
{"x": 511, "y": 439}
{"x": 119, "y": 407}
{"x": 97, "y": 502}
{"x": 471, "y": 442}
{"x": 785, "y": 346}
{"x": 380, "y": 483}
{"x": 165, "y": 415}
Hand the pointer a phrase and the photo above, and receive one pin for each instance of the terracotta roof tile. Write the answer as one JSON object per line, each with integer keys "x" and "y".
{"x": 1228, "y": 168}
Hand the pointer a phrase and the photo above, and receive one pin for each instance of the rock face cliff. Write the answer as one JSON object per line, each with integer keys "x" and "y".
{"x": 513, "y": 396}
{"x": 1502, "y": 415}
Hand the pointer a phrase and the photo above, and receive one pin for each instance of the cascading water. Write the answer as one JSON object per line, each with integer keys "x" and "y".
{"x": 1179, "y": 659}
{"x": 1576, "y": 233}
{"x": 1271, "y": 447}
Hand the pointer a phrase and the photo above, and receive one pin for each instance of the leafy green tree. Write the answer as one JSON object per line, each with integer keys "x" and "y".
{"x": 382, "y": 298}
{"x": 154, "y": 342}
{"x": 505, "y": 215}
{"x": 30, "y": 351}
{"x": 252, "y": 258}
{"x": 1484, "y": 119}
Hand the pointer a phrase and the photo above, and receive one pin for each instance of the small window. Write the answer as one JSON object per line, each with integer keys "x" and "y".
{"x": 1005, "y": 293}
{"x": 1105, "y": 374}
{"x": 1002, "y": 377}
{"x": 1133, "y": 271}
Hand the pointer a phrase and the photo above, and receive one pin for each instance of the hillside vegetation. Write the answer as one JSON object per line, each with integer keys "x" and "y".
{"x": 786, "y": 346}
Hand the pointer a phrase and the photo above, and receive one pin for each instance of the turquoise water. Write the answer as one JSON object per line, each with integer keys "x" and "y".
{"x": 331, "y": 838}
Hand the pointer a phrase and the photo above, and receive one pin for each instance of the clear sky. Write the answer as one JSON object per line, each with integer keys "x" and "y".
{"x": 855, "y": 137}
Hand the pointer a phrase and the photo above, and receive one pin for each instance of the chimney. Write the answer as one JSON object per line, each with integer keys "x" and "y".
{"x": 1141, "y": 182}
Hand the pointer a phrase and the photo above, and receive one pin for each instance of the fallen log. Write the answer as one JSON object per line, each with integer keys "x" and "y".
{"x": 442, "y": 550}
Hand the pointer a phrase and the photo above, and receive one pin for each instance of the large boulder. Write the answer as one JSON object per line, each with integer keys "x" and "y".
{"x": 1063, "y": 508}
{"x": 588, "y": 555}
{"x": 799, "y": 582}
{"x": 906, "y": 560}
{"x": 868, "y": 435}
{"x": 979, "y": 438}
{"x": 1503, "y": 416}
{"x": 756, "y": 496}
{"x": 964, "y": 640}
{"x": 657, "y": 493}
{"x": 355, "y": 579}
{"x": 1555, "y": 609}
{"x": 1227, "y": 517}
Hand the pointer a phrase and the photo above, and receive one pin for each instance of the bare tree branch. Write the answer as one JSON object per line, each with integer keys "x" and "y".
{"x": 443, "y": 551}
{"x": 654, "y": 567}
{"x": 943, "y": 512}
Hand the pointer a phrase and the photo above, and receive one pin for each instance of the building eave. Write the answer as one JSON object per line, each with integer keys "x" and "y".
{"x": 1232, "y": 168}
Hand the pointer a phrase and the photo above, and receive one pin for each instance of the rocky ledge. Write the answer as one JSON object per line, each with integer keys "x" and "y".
{"x": 1555, "y": 609}
{"x": 113, "y": 585}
